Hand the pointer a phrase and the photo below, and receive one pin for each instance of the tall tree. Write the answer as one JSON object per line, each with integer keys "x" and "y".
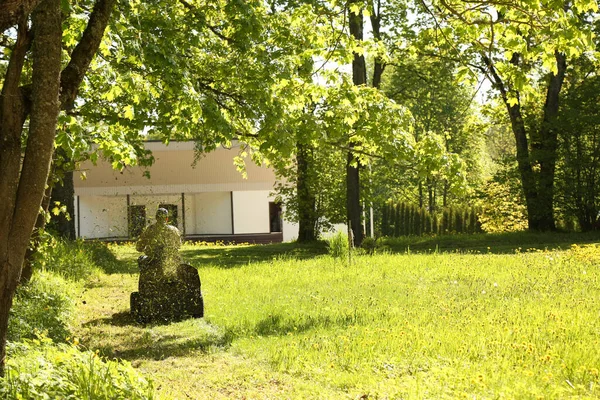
{"x": 445, "y": 117}
{"x": 359, "y": 77}
{"x": 25, "y": 194}
{"x": 513, "y": 44}
{"x": 578, "y": 174}
{"x": 22, "y": 184}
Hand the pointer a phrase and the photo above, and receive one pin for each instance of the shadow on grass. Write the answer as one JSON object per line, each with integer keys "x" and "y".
{"x": 165, "y": 347}
{"x": 158, "y": 341}
{"x": 237, "y": 256}
{"x": 240, "y": 255}
{"x": 278, "y": 325}
{"x": 494, "y": 243}
{"x": 125, "y": 262}
{"x": 123, "y": 318}
{"x": 123, "y": 267}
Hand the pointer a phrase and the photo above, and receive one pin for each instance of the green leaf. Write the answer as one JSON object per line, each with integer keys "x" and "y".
{"x": 354, "y": 8}
{"x": 128, "y": 112}
{"x": 65, "y": 6}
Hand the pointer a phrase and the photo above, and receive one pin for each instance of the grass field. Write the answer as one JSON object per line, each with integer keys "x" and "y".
{"x": 291, "y": 322}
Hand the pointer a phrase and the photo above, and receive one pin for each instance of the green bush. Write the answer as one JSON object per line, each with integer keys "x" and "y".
{"x": 39, "y": 369}
{"x": 338, "y": 245}
{"x": 371, "y": 245}
{"x": 368, "y": 245}
{"x": 43, "y": 305}
{"x": 72, "y": 260}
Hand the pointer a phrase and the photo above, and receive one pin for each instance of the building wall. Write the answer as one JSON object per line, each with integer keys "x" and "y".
{"x": 251, "y": 211}
{"x": 212, "y": 187}
{"x": 152, "y": 202}
{"x": 175, "y": 170}
{"x": 210, "y": 213}
{"x": 102, "y": 216}
{"x": 205, "y": 213}
{"x": 290, "y": 230}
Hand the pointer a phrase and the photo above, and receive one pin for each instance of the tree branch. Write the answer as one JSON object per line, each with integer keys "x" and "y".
{"x": 84, "y": 52}
{"x": 213, "y": 29}
{"x": 11, "y": 11}
{"x": 12, "y": 118}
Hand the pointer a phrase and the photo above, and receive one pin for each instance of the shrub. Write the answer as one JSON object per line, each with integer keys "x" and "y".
{"x": 72, "y": 260}
{"x": 338, "y": 245}
{"x": 368, "y": 245}
{"x": 502, "y": 211}
{"x": 43, "y": 305}
{"x": 39, "y": 369}
{"x": 371, "y": 245}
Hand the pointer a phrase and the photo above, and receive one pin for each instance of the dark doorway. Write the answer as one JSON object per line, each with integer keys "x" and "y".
{"x": 172, "y": 209}
{"x": 275, "y": 217}
{"x": 137, "y": 220}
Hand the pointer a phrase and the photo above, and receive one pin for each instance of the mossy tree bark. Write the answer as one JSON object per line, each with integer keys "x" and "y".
{"x": 13, "y": 11}
{"x": 30, "y": 183}
{"x": 23, "y": 180}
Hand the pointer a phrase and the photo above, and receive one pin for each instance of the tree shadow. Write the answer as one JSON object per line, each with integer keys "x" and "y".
{"x": 237, "y": 256}
{"x": 158, "y": 340}
{"x": 125, "y": 318}
{"x": 165, "y": 347}
{"x": 278, "y": 325}
{"x": 492, "y": 243}
{"x": 107, "y": 260}
{"x": 220, "y": 256}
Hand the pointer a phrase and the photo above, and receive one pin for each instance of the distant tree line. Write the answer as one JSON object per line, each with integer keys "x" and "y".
{"x": 403, "y": 219}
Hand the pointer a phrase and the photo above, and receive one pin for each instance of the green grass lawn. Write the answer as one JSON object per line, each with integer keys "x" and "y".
{"x": 291, "y": 322}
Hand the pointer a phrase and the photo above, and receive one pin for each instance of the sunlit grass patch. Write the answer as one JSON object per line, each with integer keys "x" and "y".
{"x": 520, "y": 325}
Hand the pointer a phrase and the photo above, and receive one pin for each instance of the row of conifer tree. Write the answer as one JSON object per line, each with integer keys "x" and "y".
{"x": 404, "y": 219}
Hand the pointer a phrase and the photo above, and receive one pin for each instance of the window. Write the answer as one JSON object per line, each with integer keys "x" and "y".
{"x": 275, "y": 222}
{"x": 136, "y": 220}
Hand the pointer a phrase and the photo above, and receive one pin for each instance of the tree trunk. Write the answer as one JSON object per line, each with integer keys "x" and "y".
{"x": 525, "y": 168}
{"x": 40, "y": 224}
{"x": 378, "y": 64}
{"x": 353, "y": 200}
{"x": 430, "y": 198}
{"x": 13, "y": 11}
{"x": 546, "y": 154}
{"x": 306, "y": 198}
{"x": 359, "y": 77}
{"x": 445, "y": 193}
{"x": 22, "y": 184}
{"x": 36, "y": 163}
{"x": 13, "y": 114}
{"x": 538, "y": 187}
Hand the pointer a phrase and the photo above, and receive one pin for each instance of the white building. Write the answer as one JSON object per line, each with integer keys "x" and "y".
{"x": 208, "y": 200}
